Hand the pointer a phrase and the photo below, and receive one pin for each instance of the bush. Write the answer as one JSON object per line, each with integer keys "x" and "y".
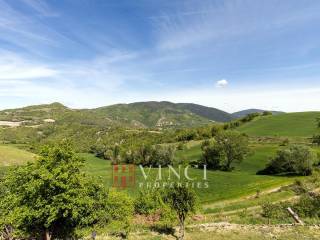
{"x": 152, "y": 202}
{"x": 308, "y": 206}
{"x": 316, "y": 139}
{"x": 295, "y": 159}
{"x": 186, "y": 135}
{"x": 120, "y": 209}
{"x": 275, "y": 211}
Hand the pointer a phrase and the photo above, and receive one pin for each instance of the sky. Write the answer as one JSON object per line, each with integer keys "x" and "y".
{"x": 231, "y": 55}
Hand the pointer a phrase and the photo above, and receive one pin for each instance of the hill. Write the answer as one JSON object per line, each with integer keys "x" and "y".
{"x": 162, "y": 114}
{"x": 302, "y": 124}
{"x": 134, "y": 115}
{"x": 244, "y": 113}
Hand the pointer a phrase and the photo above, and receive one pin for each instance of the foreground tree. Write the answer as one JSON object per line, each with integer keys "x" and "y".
{"x": 51, "y": 198}
{"x": 295, "y": 159}
{"x": 182, "y": 200}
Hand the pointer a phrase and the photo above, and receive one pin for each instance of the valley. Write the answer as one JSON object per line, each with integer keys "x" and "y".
{"x": 235, "y": 197}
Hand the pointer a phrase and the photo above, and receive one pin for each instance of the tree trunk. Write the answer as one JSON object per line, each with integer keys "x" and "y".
{"x": 181, "y": 237}
{"x": 47, "y": 235}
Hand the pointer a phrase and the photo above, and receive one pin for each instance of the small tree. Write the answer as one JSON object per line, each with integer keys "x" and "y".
{"x": 318, "y": 122}
{"x": 182, "y": 200}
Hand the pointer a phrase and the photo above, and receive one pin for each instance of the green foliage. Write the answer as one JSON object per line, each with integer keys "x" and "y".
{"x": 152, "y": 202}
{"x": 285, "y": 142}
{"x": 183, "y": 201}
{"x": 266, "y": 113}
{"x": 148, "y": 155}
{"x": 295, "y": 159}
{"x": 119, "y": 212}
{"x": 275, "y": 211}
{"x": 308, "y": 206}
{"x": 228, "y": 148}
{"x": 52, "y": 196}
{"x": 249, "y": 117}
{"x": 148, "y": 201}
{"x": 316, "y": 139}
{"x": 186, "y": 135}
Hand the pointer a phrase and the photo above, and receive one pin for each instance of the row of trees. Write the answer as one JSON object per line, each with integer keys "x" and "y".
{"x": 53, "y": 199}
{"x": 146, "y": 155}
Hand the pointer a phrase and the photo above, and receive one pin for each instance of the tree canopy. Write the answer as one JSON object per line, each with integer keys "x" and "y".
{"x": 52, "y": 198}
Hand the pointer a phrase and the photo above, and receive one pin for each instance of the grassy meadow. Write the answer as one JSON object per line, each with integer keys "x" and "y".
{"x": 222, "y": 185}
{"x": 11, "y": 155}
{"x": 283, "y": 125}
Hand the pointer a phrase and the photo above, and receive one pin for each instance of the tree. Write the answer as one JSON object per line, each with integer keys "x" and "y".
{"x": 51, "y": 198}
{"x": 212, "y": 154}
{"x": 295, "y": 159}
{"x": 183, "y": 201}
{"x": 228, "y": 148}
{"x": 234, "y": 146}
{"x": 318, "y": 122}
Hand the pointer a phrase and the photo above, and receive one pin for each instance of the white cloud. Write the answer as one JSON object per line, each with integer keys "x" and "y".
{"x": 222, "y": 83}
{"x": 13, "y": 67}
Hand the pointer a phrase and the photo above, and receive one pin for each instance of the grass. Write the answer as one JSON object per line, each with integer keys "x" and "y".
{"x": 286, "y": 125}
{"x": 10, "y": 155}
{"x": 222, "y": 185}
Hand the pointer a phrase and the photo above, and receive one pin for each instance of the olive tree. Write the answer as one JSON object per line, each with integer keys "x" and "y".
{"x": 182, "y": 200}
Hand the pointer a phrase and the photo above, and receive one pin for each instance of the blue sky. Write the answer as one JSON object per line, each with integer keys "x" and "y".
{"x": 226, "y": 54}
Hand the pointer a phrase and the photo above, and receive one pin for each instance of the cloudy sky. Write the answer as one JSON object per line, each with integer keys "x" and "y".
{"x": 226, "y": 54}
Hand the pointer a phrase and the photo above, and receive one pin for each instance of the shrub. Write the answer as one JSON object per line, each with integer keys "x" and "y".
{"x": 119, "y": 212}
{"x": 316, "y": 139}
{"x": 308, "y": 206}
{"x": 275, "y": 211}
{"x": 295, "y": 159}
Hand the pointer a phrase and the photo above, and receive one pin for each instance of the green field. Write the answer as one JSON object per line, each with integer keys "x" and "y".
{"x": 284, "y": 125}
{"x": 222, "y": 185}
{"x": 10, "y": 155}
